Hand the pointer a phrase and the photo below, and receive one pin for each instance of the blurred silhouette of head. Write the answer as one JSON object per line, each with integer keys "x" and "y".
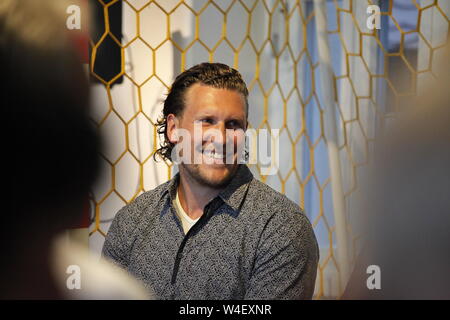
{"x": 53, "y": 157}
{"x": 408, "y": 202}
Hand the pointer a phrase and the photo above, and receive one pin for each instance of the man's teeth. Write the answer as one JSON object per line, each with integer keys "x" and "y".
{"x": 214, "y": 155}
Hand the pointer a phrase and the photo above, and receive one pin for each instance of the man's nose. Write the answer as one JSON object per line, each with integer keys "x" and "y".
{"x": 220, "y": 135}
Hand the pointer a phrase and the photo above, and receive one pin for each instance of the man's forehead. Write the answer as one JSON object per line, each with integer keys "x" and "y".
{"x": 204, "y": 90}
{"x": 201, "y": 97}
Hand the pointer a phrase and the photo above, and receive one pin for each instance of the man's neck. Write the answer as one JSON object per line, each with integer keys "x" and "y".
{"x": 193, "y": 195}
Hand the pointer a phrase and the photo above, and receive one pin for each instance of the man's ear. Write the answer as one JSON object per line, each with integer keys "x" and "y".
{"x": 172, "y": 125}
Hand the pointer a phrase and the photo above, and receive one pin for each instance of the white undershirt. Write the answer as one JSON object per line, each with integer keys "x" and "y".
{"x": 186, "y": 221}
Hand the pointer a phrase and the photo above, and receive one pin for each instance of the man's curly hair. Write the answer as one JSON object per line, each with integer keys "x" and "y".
{"x": 216, "y": 75}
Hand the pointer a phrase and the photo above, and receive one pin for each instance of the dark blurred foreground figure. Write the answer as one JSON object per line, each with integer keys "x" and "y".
{"x": 409, "y": 203}
{"x": 52, "y": 160}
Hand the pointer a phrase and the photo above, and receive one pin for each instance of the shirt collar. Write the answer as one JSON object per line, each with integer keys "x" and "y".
{"x": 232, "y": 195}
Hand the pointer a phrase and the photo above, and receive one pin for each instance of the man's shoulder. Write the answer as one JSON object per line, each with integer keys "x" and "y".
{"x": 144, "y": 203}
{"x": 282, "y": 218}
{"x": 270, "y": 200}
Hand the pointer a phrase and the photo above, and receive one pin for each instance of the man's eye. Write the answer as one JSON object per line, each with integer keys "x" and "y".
{"x": 207, "y": 120}
{"x": 234, "y": 125}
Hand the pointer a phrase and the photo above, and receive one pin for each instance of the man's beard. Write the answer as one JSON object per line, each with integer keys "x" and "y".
{"x": 194, "y": 171}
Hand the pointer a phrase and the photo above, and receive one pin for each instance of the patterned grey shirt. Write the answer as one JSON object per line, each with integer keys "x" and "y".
{"x": 252, "y": 242}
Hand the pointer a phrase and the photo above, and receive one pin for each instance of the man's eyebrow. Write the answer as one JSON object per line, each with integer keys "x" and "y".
{"x": 204, "y": 115}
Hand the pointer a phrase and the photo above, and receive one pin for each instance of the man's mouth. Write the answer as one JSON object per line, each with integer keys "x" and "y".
{"x": 213, "y": 154}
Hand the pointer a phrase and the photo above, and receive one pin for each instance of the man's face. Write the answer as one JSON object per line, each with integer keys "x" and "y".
{"x": 216, "y": 122}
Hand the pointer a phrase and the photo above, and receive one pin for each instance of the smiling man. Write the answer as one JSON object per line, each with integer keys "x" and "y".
{"x": 213, "y": 231}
